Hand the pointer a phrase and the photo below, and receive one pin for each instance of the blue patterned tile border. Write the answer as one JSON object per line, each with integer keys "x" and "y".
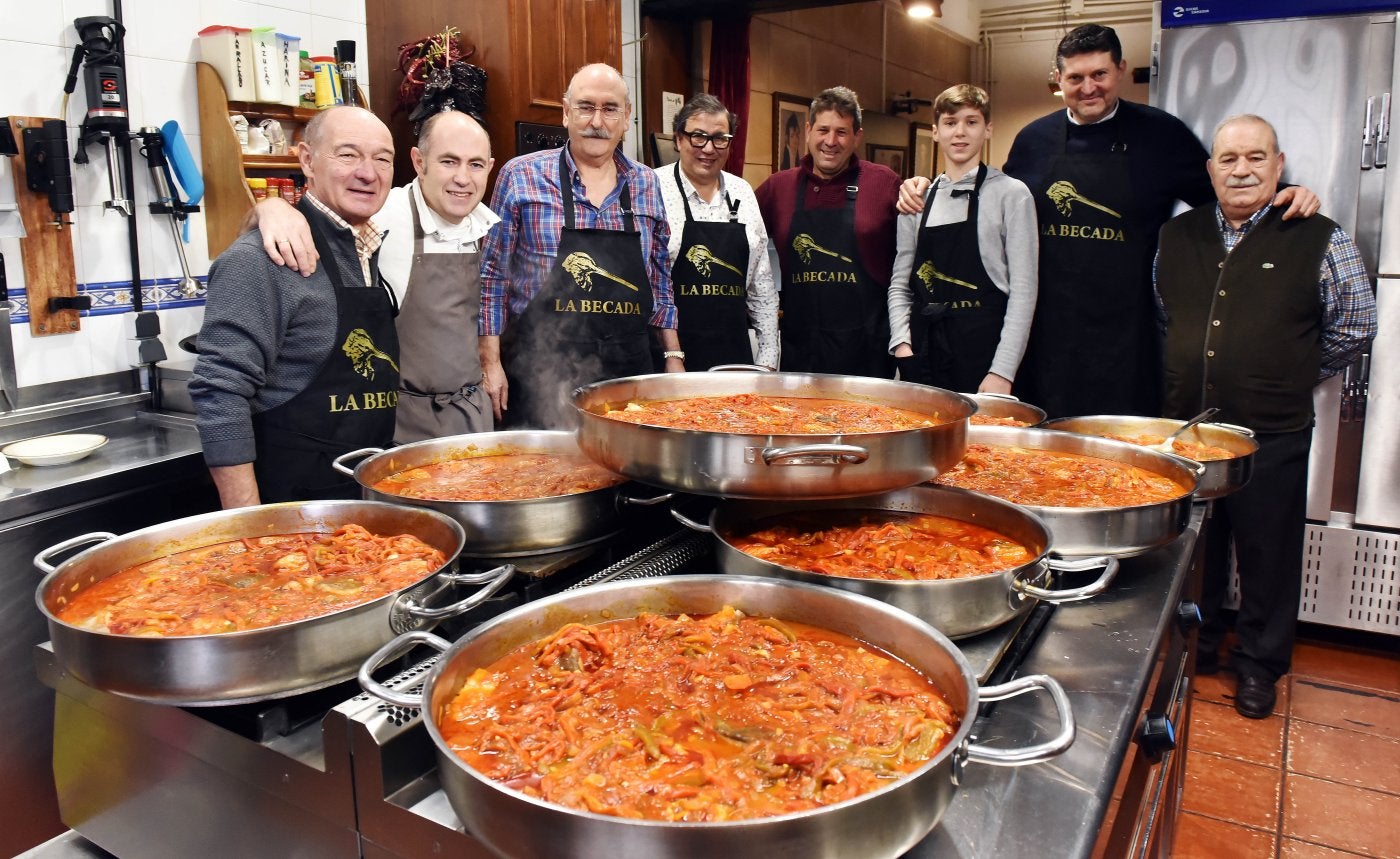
{"x": 115, "y": 297}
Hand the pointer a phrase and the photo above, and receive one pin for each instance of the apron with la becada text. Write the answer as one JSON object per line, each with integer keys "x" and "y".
{"x": 709, "y": 276}
{"x": 348, "y": 405}
{"x": 834, "y": 317}
{"x": 440, "y": 392}
{"x": 957, "y": 313}
{"x": 587, "y": 323}
{"x": 1093, "y": 347}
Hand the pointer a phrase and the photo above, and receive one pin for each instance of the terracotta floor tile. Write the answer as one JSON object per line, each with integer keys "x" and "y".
{"x": 1218, "y": 729}
{"x": 1232, "y": 790}
{"x": 1343, "y": 706}
{"x": 1220, "y": 689}
{"x": 1337, "y": 754}
{"x": 1341, "y": 816}
{"x": 1347, "y": 665}
{"x": 1200, "y": 837}
{"x": 1294, "y": 849}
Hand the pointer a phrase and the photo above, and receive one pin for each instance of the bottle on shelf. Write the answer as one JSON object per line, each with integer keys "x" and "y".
{"x": 350, "y": 83}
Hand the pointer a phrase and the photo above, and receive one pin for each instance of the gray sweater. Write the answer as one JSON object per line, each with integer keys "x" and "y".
{"x": 266, "y": 332}
{"x": 1010, "y": 244}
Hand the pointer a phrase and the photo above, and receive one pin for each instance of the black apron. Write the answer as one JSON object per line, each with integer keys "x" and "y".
{"x": 709, "y": 276}
{"x": 348, "y": 405}
{"x": 1093, "y": 346}
{"x": 834, "y": 316}
{"x": 956, "y": 317}
{"x": 587, "y": 323}
{"x": 440, "y": 394}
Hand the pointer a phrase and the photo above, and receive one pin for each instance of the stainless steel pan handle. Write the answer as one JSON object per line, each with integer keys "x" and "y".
{"x": 691, "y": 523}
{"x": 502, "y": 575}
{"x": 471, "y": 578}
{"x": 1052, "y": 595}
{"x": 41, "y": 560}
{"x": 1232, "y": 427}
{"x": 363, "y": 453}
{"x": 1029, "y": 754}
{"x": 834, "y": 454}
{"x": 624, "y": 500}
{"x": 392, "y": 650}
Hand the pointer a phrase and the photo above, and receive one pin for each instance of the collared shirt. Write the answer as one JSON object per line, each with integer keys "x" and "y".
{"x": 368, "y": 237}
{"x": 1344, "y": 292}
{"x": 519, "y": 253}
{"x": 439, "y": 237}
{"x": 1074, "y": 120}
{"x": 762, "y": 297}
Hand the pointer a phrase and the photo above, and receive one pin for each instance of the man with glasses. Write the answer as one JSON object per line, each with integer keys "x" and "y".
{"x": 576, "y": 279}
{"x": 719, "y": 248}
{"x": 832, "y": 221}
{"x": 433, "y": 228}
{"x": 294, "y": 371}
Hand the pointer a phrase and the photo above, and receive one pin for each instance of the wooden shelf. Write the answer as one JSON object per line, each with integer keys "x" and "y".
{"x": 227, "y": 198}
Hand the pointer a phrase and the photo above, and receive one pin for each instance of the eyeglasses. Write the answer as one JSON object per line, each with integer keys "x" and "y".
{"x": 698, "y": 139}
{"x": 585, "y": 111}
{"x": 353, "y": 160}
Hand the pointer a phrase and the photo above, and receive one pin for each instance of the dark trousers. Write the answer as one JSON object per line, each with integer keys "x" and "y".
{"x": 1264, "y": 522}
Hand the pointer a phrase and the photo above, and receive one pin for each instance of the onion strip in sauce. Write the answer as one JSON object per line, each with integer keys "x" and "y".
{"x": 722, "y": 717}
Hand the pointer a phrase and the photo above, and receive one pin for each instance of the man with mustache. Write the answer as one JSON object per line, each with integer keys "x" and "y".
{"x": 832, "y": 221}
{"x": 1256, "y": 311}
{"x": 719, "y": 248}
{"x": 576, "y": 279}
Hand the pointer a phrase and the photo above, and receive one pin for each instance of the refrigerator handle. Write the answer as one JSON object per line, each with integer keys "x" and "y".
{"x": 1383, "y": 132}
{"x": 1366, "y": 140}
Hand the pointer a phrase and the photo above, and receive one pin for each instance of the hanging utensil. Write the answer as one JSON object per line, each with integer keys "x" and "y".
{"x": 167, "y": 202}
{"x": 7, "y": 347}
{"x": 1165, "y": 445}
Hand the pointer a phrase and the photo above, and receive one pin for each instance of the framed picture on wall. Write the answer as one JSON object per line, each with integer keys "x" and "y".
{"x": 789, "y": 121}
{"x": 924, "y": 160}
{"x": 894, "y": 157}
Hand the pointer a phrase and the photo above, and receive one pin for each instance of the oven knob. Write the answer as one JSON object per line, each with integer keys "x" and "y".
{"x": 1188, "y": 616}
{"x": 1157, "y": 736}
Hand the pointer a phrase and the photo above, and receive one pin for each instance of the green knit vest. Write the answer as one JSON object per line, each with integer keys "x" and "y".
{"x": 1243, "y": 330}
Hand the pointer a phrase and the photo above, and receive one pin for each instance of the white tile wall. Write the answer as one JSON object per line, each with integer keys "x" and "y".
{"x": 36, "y": 44}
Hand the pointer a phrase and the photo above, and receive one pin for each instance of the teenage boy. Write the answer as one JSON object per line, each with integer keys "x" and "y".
{"x": 964, "y": 283}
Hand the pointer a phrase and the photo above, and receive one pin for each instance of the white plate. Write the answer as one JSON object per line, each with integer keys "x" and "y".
{"x": 54, "y": 449}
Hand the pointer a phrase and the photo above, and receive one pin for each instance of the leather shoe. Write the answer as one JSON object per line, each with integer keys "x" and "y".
{"x": 1254, "y": 697}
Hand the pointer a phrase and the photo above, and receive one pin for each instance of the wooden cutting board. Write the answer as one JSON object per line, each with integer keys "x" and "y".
{"x": 47, "y": 248}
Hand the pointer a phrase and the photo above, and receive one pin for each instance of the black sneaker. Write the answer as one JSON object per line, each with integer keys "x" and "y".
{"x": 1254, "y": 697}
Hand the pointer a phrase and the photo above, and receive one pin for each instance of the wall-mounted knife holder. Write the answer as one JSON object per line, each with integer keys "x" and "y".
{"x": 49, "y": 272}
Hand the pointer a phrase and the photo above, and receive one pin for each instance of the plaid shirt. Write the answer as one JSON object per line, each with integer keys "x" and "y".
{"x": 368, "y": 237}
{"x": 1344, "y": 291}
{"x": 519, "y": 252}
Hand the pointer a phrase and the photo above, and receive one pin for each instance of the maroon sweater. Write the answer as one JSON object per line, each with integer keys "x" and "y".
{"x": 875, "y": 212}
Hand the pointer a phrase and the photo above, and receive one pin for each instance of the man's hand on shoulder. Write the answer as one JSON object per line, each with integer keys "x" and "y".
{"x": 285, "y": 235}
{"x": 911, "y": 195}
{"x": 1301, "y": 202}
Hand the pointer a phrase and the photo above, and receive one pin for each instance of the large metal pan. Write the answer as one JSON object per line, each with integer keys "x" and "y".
{"x": 1221, "y": 477}
{"x": 958, "y": 608}
{"x": 500, "y": 529}
{"x": 739, "y": 465}
{"x": 1007, "y": 406}
{"x": 884, "y": 823}
{"x": 257, "y": 664}
{"x": 1122, "y": 531}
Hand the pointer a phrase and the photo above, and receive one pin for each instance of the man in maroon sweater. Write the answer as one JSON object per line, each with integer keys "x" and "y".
{"x": 832, "y": 221}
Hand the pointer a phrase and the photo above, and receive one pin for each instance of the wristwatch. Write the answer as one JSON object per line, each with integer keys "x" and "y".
{"x": 673, "y": 353}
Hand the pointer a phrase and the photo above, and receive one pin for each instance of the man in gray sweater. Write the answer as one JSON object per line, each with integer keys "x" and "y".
{"x": 296, "y": 371}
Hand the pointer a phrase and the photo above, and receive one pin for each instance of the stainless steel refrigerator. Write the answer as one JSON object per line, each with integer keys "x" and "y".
{"x": 1325, "y": 83}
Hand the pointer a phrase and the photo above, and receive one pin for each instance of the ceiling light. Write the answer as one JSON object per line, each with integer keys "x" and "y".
{"x": 923, "y": 8}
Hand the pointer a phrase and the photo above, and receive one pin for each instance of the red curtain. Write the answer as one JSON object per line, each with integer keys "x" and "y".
{"x": 729, "y": 78}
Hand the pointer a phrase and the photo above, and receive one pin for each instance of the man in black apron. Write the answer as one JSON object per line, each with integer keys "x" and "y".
{"x": 295, "y": 371}
{"x": 833, "y": 222}
{"x": 576, "y": 278}
{"x": 1105, "y": 174}
{"x": 719, "y": 248}
{"x": 429, "y": 258}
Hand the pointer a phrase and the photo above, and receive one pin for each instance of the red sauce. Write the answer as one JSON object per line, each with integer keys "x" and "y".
{"x": 754, "y": 414}
{"x": 881, "y": 544}
{"x": 696, "y": 718}
{"x": 1047, "y": 478}
{"x": 504, "y": 477}
{"x": 251, "y": 583}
